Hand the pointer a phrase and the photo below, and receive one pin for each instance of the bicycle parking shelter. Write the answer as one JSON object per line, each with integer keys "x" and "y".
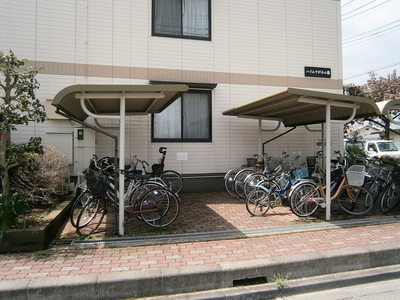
{"x": 78, "y": 102}
{"x": 300, "y": 107}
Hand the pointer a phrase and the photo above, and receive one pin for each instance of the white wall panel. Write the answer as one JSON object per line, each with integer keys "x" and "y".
{"x": 249, "y": 38}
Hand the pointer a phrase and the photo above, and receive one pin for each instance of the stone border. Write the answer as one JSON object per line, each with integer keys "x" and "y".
{"x": 34, "y": 239}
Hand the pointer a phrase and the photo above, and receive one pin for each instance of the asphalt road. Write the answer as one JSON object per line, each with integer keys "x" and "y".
{"x": 380, "y": 290}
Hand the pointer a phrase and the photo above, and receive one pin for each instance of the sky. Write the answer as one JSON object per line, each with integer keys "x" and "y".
{"x": 371, "y": 39}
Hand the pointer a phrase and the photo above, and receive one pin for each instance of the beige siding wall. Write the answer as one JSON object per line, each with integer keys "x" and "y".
{"x": 257, "y": 48}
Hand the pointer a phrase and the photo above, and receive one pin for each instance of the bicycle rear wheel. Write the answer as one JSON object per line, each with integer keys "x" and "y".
{"x": 173, "y": 180}
{"x": 91, "y": 216}
{"x": 355, "y": 200}
{"x": 258, "y": 202}
{"x": 302, "y": 202}
{"x": 159, "y": 207}
{"x": 390, "y": 198}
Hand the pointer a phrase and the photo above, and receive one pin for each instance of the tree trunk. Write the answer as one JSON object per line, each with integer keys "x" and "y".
{"x": 5, "y": 180}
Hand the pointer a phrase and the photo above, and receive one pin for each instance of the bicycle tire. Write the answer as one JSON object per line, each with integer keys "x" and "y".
{"x": 390, "y": 198}
{"x": 301, "y": 203}
{"x": 259, "y": 201}
{"x": 91, "y": 216}
{"x": 374, "y": 188}
{"x": 239, "y": 182}
{"x": 173, "y": 180}
{"x": 78, "y": 204}
{"x": 140, "y": 190}
{"x": 229, "y": 181}
{"x": 252, "y": 181}
{"x": 355, "y": 200}
{"x": 159, "y": 207}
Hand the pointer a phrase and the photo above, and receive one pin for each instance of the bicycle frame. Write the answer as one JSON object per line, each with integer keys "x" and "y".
{"x": 321, "y": 200}
{"x": 276, "y": 188}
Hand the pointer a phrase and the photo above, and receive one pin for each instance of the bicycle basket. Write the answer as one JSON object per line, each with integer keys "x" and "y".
{"x": 272, "y": 164}
{"x": 310, "y": 161}
{"x": 81, "y": 181}
{"x": 355, "y": 175}
{"x": 301, "y": 173}
{"x": 157, "y": 168}
{"x": 96, "y": 183}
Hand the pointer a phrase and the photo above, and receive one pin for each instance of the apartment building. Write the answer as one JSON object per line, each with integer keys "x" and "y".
{"x": 229, "y": 52}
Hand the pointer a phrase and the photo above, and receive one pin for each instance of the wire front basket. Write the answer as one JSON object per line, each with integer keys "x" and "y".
{"x": 96, "y": 183}
{"x": 355, "y": 175}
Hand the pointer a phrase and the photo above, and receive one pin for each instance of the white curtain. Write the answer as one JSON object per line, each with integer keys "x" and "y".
{"x": 167, "y": 124}
{"x": 195, "y": 18}
{"x": 167, "y": 14}
{"x": 196, "y": 116}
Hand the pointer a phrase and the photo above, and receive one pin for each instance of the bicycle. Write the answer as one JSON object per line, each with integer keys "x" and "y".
{"x": 155, "y": 204}
{"x": 350, "y": 195}
{"x": 96, "y": 164}
{"x": 170, "y": 178}
{"x": 105, "y": 166}
{"x": 269, "y": 195}
{"x": 230, "y": 176}
{"x": 241, "y": 177}
{"x": 271, "y": 170}
{"x": 391, "y": 195}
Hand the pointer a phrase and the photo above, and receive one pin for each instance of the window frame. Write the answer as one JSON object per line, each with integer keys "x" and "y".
{"x": 181, "y": 36}
{"x": 198, "y": 88}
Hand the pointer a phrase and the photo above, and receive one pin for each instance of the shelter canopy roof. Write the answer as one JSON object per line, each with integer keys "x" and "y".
{"x": 102, "y": 99}
{"x": 296, "y": 107}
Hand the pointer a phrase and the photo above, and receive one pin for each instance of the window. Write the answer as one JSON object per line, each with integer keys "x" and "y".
{"x": 182, "y": 18}
{"x": 188, "y": 119}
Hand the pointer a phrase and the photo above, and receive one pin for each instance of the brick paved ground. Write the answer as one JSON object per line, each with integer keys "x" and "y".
{"x": 211, "y": 212}
{"x": 200, "y": 213}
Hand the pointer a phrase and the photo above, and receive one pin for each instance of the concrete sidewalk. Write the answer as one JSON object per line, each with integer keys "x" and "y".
{"x": 142, "y": 266}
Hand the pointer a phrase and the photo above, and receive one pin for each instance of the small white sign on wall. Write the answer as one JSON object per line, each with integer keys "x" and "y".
{"x": 181, "y": 156}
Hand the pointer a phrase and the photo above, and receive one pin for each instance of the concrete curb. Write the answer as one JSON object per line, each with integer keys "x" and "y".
{"x": 292, "y": 287}
{"x": 204, "y": 277}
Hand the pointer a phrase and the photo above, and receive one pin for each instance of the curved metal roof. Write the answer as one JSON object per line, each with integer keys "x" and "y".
{"x": 295, "y": 107}
{"x": 102, "y": 99}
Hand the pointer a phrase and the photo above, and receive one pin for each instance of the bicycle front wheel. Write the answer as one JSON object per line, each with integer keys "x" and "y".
{"x": 173, "y": 180}
{"x": 390, "y": 198}
{"x": 159, "y": 207}
{"x": 78, "y": 205}
{"x": 91, "y": 216}
{"x": 355, "y": 200}
{"x": 302, "y": 202}
{"x": 258, "y": 202}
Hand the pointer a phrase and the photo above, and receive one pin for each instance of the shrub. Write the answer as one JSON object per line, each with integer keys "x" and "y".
{"x": 44, "y": 178}
{"x": 10, "y": 208}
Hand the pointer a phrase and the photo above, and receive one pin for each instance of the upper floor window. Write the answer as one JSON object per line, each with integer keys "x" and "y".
{"x": 182, "y": 18}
